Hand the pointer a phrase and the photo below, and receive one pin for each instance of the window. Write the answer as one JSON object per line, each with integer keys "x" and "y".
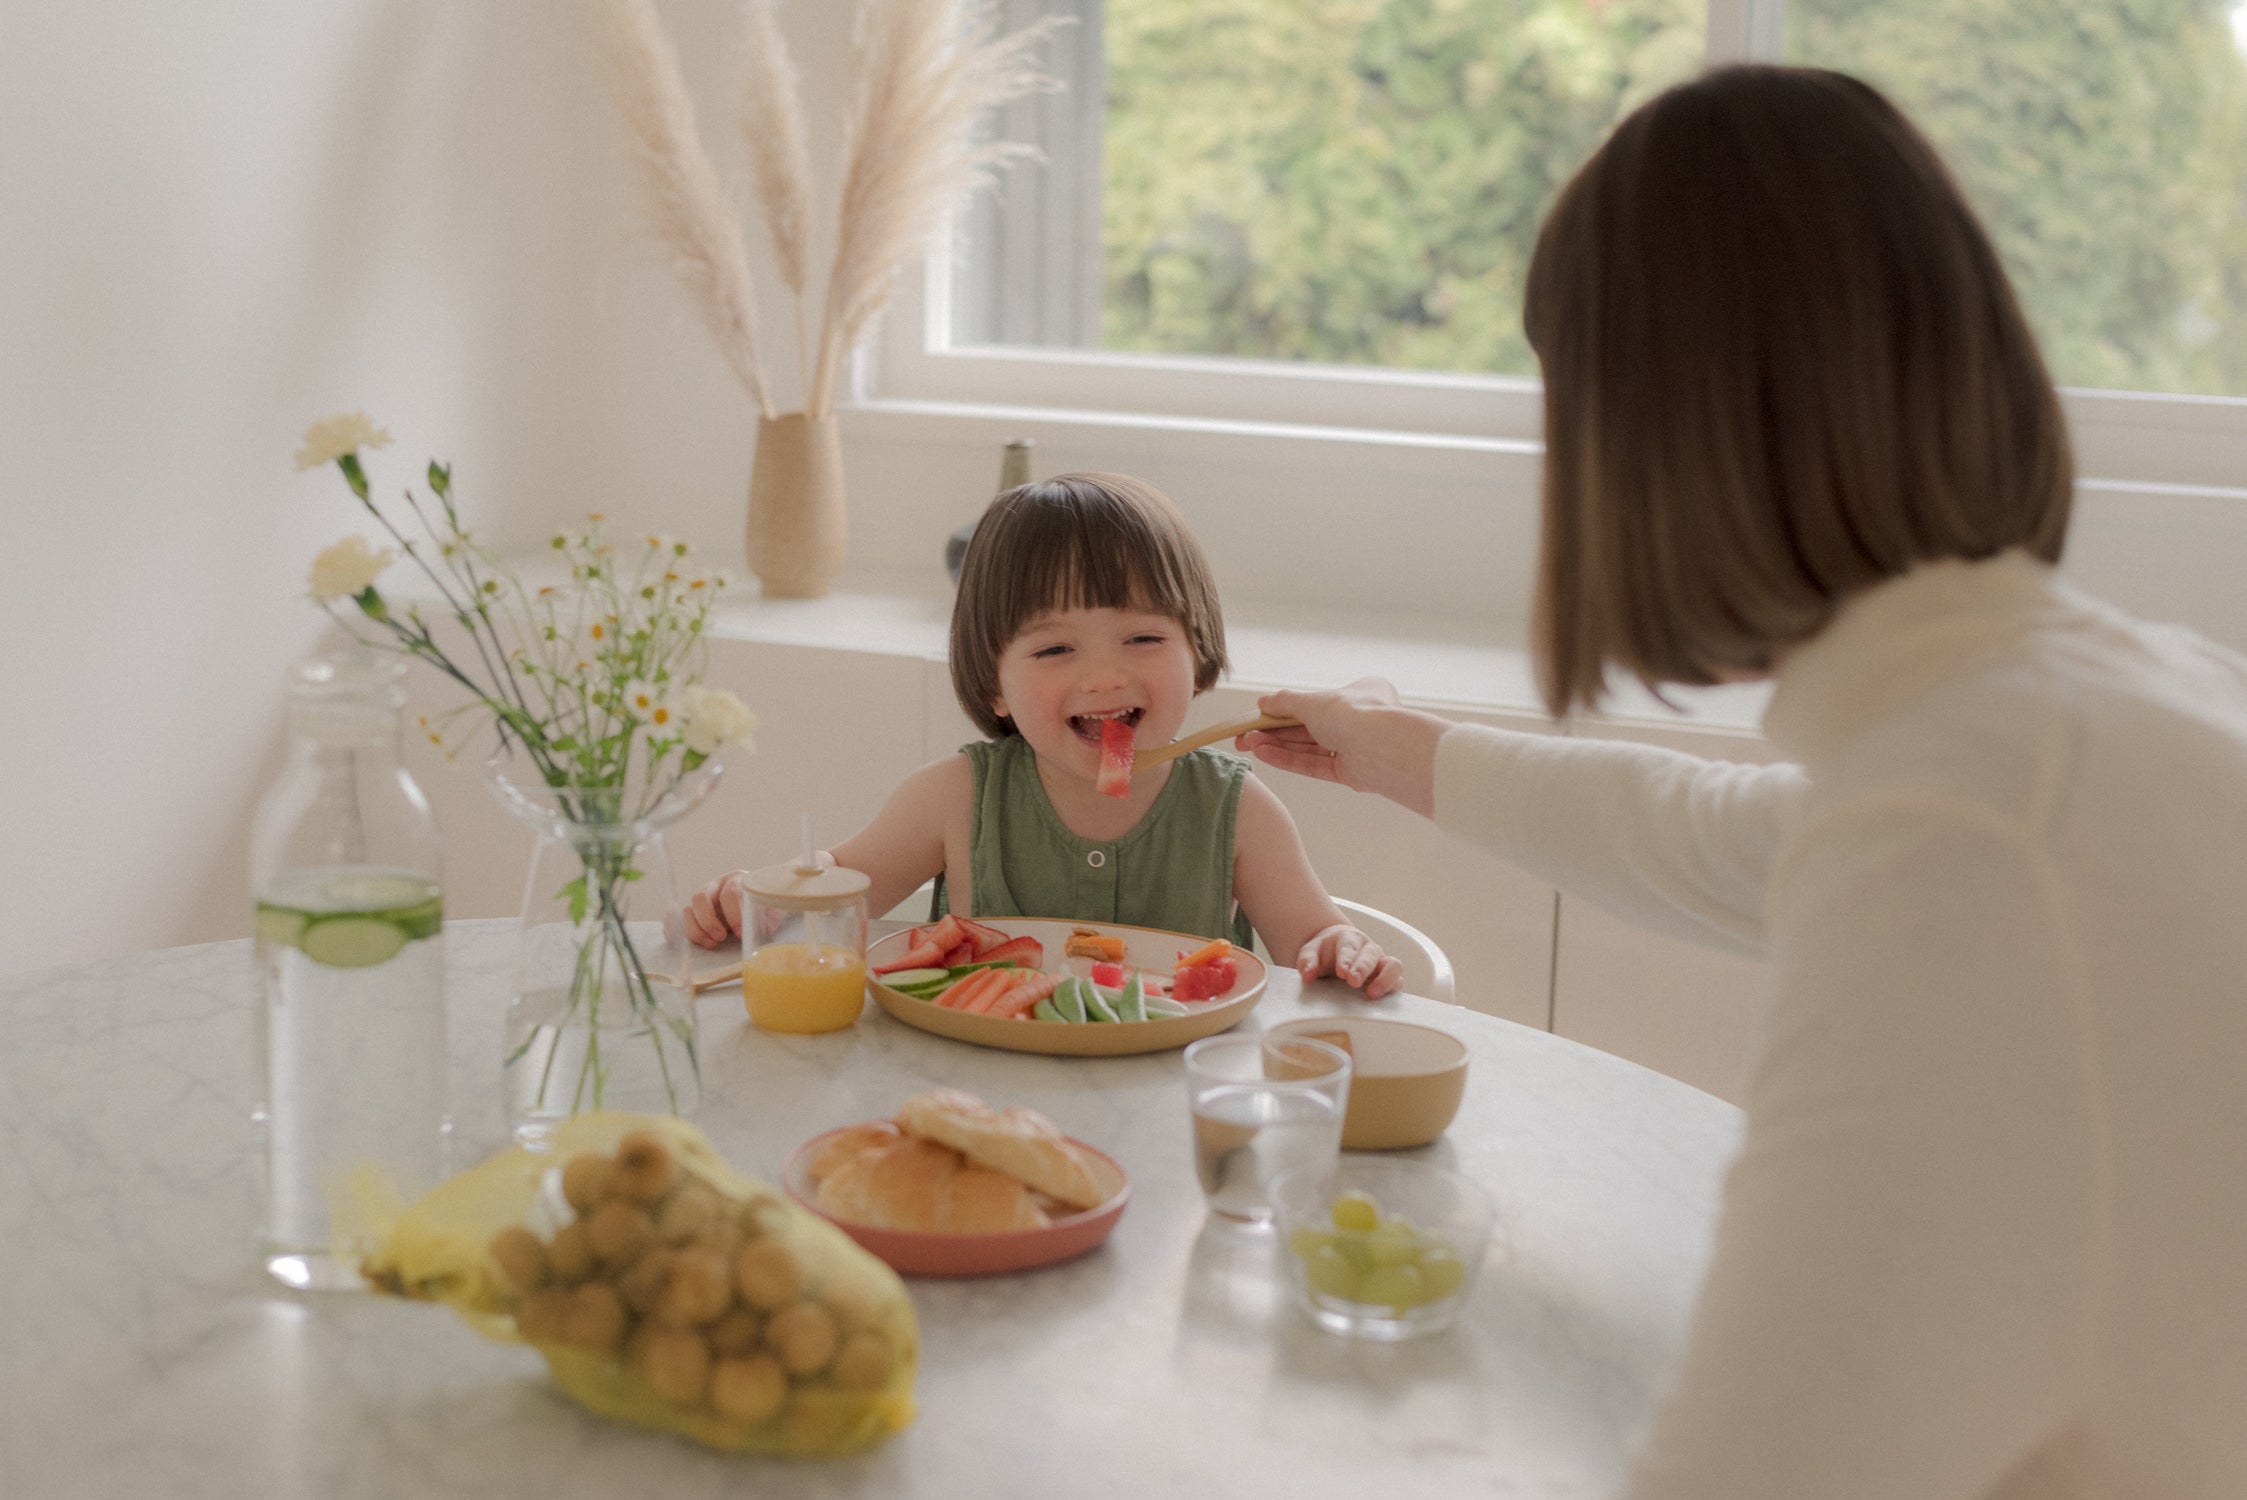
{"x": 1317, "y": 212}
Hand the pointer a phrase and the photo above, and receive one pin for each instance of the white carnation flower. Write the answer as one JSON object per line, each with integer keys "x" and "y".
{"x": 329, "y": 440}
{"x": 346, "y": 569}
{"x": 713, "y": 717}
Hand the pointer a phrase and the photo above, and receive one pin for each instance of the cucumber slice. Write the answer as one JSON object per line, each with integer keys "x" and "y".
{"x": 905, "y": 979}
{"x": 352, "y": 942}
{"x": 279, "y": 926}
{"x": 421, "y": 920}
{"x": 1158, "y": 1005}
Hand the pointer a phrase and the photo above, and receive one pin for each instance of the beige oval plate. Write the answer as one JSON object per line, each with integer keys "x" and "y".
{"x": 1147, "y": 948}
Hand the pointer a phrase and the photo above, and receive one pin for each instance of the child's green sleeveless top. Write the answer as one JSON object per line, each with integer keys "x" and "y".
{"x": 1174, "y": 870}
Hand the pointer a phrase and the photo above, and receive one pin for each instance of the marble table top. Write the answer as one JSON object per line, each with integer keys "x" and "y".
{"x": 144, "y": 1353}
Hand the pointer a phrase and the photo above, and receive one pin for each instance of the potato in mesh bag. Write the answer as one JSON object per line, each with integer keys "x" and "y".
{"x": 666, "y": 1289}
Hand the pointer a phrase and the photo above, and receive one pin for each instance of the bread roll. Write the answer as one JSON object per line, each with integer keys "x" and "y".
{"x": 1019, "y": 1142}
{"x": 848, "y": 1143}
{"x": 915, "y": 1184}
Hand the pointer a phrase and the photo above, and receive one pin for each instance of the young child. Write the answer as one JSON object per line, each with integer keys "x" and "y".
{"x": 1083, "y": 599}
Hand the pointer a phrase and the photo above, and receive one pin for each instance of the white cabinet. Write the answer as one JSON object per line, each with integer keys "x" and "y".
{"x": 1671, "y": 1005}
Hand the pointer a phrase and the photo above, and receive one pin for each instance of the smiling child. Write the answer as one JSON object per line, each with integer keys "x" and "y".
{"x": 1084, "y": 599}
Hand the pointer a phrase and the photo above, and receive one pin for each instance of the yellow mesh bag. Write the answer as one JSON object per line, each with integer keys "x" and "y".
{"x": 667, "y": 1290}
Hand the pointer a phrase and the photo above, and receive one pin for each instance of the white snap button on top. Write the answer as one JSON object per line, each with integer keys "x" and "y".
{"x": 1096, "y": 858}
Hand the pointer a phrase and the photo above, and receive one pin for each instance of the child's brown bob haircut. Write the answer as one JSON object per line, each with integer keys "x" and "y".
{"x": 1076, "y": 541}
{"x": 1781, "y": 363}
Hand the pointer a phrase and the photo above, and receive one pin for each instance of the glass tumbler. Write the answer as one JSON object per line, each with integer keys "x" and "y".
{"x": 804, "y": 927}
{"x": 1262, "y": 1105}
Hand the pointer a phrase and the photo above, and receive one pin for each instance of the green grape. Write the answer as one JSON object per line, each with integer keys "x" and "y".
{"x": 1390, "y": 1246}
{"x": 1351, "y": 1247}
{"x": 1329, "y": 1272}
{"x": 1443, "y": 1272}
{"x": 1396, "y": 1287}
{"x": 1307, "y": 1242}
{"x": 1356, "y": 1209}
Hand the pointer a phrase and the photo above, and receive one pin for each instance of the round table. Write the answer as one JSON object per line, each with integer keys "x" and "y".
{"x": 143, "y": 1352}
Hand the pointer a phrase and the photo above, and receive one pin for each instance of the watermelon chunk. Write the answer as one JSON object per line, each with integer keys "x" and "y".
{"x": 1115, "y": 758}
{"x": 1111, "y": 975}
{"x": 1206, "y": 980}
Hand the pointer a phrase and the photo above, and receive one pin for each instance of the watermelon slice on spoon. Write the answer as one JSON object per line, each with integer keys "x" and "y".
{"x": 1115, "y": 758}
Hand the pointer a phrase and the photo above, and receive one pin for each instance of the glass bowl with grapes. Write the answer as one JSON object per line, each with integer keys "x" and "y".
{"x": 1381, "y": 1248}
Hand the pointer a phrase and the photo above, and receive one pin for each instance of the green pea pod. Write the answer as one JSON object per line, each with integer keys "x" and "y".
{"x": 1046, "y": 1011}
{"x": 1096, "y": 1006}
{"x": 1158, "y": 1005}
{"x": 1131, "y": 1005}
{"x": 1067, "y": 1000}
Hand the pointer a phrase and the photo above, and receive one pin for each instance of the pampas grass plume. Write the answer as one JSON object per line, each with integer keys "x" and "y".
{"x": 772, "y": 123}
{"x": 926, "y": 70}
{"x": 690, "y": 214}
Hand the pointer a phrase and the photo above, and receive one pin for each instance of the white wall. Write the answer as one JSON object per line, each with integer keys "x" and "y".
{"x": 219, "y": 222}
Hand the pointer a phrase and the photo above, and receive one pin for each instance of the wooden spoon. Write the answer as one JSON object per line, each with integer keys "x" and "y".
{"x": 1142, "y": 759}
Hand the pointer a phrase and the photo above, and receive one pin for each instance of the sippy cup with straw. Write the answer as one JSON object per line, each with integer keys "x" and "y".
{"x": 807, "y": 971}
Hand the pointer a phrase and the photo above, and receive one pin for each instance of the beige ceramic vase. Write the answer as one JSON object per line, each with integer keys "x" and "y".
{"x": 796, "y": 525}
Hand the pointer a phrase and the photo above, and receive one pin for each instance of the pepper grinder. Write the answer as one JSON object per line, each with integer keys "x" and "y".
{"x": 1014, "y": 470}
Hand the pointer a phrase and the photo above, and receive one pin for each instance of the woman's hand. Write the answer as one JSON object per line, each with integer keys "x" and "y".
{"x": 713, "y": 914}
{"x": 1352, "y": 957}
{"x": 1360, "y": 736}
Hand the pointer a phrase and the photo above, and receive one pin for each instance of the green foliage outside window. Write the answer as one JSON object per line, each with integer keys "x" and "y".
{"x": 1360, "y": 181}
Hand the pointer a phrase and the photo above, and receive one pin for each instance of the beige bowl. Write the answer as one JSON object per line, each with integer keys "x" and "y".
{"x": 1406, "y": 1080}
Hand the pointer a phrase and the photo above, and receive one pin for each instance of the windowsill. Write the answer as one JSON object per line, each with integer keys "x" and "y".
{"x": 1436, "y": 663}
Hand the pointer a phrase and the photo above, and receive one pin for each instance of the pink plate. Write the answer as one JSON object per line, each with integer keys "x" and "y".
{"x": 918, "y": 1253}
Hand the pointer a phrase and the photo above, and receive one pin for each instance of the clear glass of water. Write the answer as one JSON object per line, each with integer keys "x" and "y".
{"x": 1262, "y": 1105}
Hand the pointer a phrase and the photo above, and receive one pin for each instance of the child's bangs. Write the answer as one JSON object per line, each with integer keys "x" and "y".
{"x": 1096, "y": 558}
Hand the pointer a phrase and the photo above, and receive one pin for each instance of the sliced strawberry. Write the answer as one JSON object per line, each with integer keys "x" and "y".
{"x": 1115, "y": 757}
{"x": 1026, "y": 951}
{"x": 1108, "y": 976}
{"x": 985, "y": 938}
{"x": 962, "y": 953}
{"x": 948, "y": 934}
{"x": 921, "y": 955}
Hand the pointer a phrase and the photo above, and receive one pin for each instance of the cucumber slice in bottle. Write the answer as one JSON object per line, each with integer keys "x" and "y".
{"x": 279, "y": 926}
{"x": 352, "y": 942}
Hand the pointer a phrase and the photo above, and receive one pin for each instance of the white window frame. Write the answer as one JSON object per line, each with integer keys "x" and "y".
{"x": 913, "y": 365}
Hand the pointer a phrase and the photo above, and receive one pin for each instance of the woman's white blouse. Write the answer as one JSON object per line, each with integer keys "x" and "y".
{"x": 1987, "y": 1232}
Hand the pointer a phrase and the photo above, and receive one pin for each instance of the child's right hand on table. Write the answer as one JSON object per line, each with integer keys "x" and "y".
{"x": 713, "y": 914}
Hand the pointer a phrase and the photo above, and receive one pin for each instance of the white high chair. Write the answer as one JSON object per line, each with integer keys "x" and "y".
{"x": 1427, "y": 968}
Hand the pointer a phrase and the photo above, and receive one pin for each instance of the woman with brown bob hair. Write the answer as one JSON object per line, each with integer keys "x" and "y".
{"x": 1985, "y": 1233}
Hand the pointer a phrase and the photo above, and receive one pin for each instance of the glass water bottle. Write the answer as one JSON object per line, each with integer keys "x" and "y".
{"x": 351, "y": 1107}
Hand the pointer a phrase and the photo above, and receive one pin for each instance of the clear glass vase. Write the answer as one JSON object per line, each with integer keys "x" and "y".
{"x": 602, "y": 1010}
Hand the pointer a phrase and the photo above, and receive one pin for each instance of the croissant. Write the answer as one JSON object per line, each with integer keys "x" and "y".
{"x": 1017, "y": 1141}
{"x": 909, "y": 1183}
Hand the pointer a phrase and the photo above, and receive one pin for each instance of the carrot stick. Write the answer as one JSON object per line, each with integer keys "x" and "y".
{"x": 991, "y": 994}
{"x": 1207, "y": 954}
{"x": 965, "y": 990}
{"x": 1023, "y": 998}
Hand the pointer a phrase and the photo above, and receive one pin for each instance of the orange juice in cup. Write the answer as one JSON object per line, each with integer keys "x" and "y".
{"x": 807, "y": 971}
{"x": 804, "y": 986}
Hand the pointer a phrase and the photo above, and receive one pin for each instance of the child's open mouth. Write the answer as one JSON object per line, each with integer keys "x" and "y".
{"x": 1087, "y": 726}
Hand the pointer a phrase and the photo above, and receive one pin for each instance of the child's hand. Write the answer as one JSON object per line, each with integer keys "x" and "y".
{"x": 1352, "y": 957}
{"x": 713, "y": 915}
